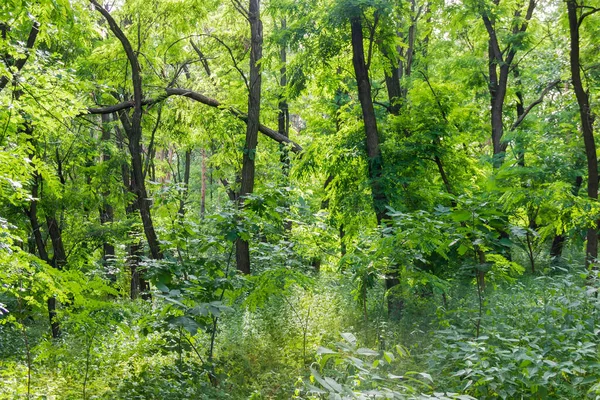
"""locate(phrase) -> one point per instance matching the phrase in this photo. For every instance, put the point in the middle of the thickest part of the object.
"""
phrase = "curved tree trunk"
(133, 129)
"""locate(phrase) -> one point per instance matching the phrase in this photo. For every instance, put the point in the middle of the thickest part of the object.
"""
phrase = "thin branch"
(235, 64)
(386, 106)
(586, 14)
(203, 58)
(493, 38)
(19, 64)
(133, 61)
(372, 39)
(519, 120)
(241, 9)
(516, 63)
(437, 100)
(199, 97)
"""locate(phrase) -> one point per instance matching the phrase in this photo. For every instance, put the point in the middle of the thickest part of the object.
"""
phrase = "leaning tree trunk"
(242, 246)
(587, 128)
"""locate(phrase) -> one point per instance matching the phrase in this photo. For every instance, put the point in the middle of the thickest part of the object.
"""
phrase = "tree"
(248, 165)
(576, 14)
(500, 61)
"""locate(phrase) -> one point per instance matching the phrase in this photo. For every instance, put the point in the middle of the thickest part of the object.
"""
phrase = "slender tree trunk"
(144, 203)
(402, 67)
(203, 184)
(587, 127)
(392, 84)
(138, 186)
(242, 246)
(186, 183)
(37, 233)
(107, 211)
(137, 283)
(133, 128)
(520, 107)
(43, 254)
(283, 120)
(342, 240)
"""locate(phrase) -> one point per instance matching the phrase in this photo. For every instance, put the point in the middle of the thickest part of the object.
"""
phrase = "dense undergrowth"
(538, 339)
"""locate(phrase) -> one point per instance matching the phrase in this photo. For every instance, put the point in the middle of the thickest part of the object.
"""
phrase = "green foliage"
(539, 341)
(362, 373)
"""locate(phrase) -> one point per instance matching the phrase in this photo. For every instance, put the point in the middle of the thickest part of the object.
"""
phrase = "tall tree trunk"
(203, 184)
(133, 129)
(137, 284)
(43, 254)
(138, 187)
(107, 211)
(242, 247)
(403, 67)
(587, 127)
(283, 118)
(520, 107)
(499, 65)
(380, 200)
(283, 121)
(186, 182)
(37, 233)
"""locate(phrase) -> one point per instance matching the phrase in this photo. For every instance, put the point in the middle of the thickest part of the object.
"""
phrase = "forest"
(299, 199)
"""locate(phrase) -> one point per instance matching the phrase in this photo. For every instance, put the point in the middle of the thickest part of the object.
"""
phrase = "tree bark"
(107, 211)
(499, 64)
(199, 97)
(248, 163)
(379, 197)
(43, 254)
(203, 184)
(137, 282)
(283, 117)
(186, 183)
(138, 187)
(587, 125)
(133, 129)
(380, 200)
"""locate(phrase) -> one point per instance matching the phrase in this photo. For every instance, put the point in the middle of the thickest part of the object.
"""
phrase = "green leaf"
(350, 338)
(366, 352)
